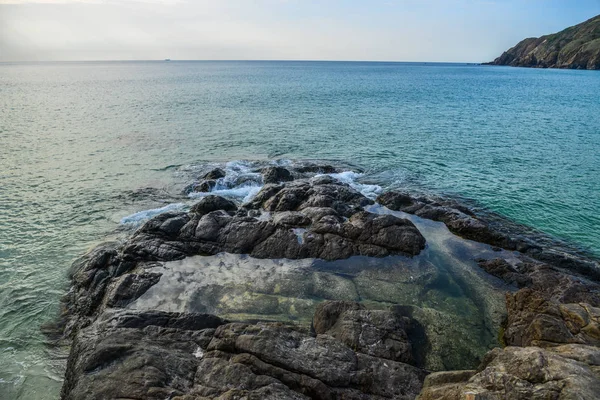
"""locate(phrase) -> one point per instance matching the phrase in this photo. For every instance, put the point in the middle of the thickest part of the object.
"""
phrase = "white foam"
(141, 216)
(351, 177)
(242, 193)
(299, 232)
(240, 183)
(199, 353)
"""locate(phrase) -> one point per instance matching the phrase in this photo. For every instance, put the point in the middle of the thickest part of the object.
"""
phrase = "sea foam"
(351, 178)
(142, 216)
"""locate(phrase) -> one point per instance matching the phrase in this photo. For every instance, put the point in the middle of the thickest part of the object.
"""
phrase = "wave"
(351, 178)
(241, 183)
(142, 216)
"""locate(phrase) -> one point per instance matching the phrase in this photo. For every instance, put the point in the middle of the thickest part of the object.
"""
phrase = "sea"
(90, 150)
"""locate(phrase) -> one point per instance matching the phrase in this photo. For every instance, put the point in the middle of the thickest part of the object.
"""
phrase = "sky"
(373, 30)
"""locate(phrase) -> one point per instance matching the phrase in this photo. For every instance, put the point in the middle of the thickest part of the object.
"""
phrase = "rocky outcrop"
(142, 313)
(308, 218)
(564, 372)
(490, 229)
(276, 175)
(459, 219)
(577, 47)
(197, 356)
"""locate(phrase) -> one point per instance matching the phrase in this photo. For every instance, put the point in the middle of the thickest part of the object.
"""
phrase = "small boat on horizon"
(167, 59)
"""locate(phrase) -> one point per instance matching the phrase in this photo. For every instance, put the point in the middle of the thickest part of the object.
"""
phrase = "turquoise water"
(78, 140)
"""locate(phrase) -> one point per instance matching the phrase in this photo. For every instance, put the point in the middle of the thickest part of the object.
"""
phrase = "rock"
(553, 283)
(577, 47)
(276, 175)
(163, 355)
(374, 332)
(503, 270)
(205, 186)
(519, 373)
(328, 313)
(318, 169)
(301, 194)
(534, 320)
(445, 385)
(458, 219)
(137, 356)
(129, 287)
(213, 203)
(214, 174)
(305, 220)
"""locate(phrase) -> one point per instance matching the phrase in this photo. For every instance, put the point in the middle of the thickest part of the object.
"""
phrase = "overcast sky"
(394, 30)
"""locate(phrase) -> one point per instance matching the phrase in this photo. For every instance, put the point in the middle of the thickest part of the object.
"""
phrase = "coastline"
(300, 216)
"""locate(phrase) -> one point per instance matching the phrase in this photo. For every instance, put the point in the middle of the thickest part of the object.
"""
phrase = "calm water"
(78, 139)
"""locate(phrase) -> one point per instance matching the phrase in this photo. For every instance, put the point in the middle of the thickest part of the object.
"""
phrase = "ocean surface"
(86, 149)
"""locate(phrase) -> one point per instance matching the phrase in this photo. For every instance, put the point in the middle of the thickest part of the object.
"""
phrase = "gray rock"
(519, 373)
(213, 203)
(276, 175)
(214, 174)
(166, 355)
(377, 333)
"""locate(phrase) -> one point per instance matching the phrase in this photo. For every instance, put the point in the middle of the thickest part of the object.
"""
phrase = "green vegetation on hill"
(577, 47)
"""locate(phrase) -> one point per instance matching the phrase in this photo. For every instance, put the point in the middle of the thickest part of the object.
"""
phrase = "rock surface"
(523, 373)
(140, 313)
(486, 229)
(577, 47)
(197, 356)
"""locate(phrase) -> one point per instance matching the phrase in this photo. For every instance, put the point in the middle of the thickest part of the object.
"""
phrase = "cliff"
(577, 47)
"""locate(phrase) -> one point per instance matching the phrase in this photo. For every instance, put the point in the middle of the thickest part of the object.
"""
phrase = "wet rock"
(301, 194)
(166, 355)
(213, 203)
(502, 269)
(521, 373)
(549, 281)
(129, 287)
(276, 175)
(306, 220)
(459, 220)
(205, 186)
(317, 169)
(214, 174)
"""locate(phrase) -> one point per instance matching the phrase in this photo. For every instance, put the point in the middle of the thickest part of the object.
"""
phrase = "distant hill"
(577, 47)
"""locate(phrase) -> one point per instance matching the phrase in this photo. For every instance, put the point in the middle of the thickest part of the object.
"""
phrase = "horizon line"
(241, 60)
